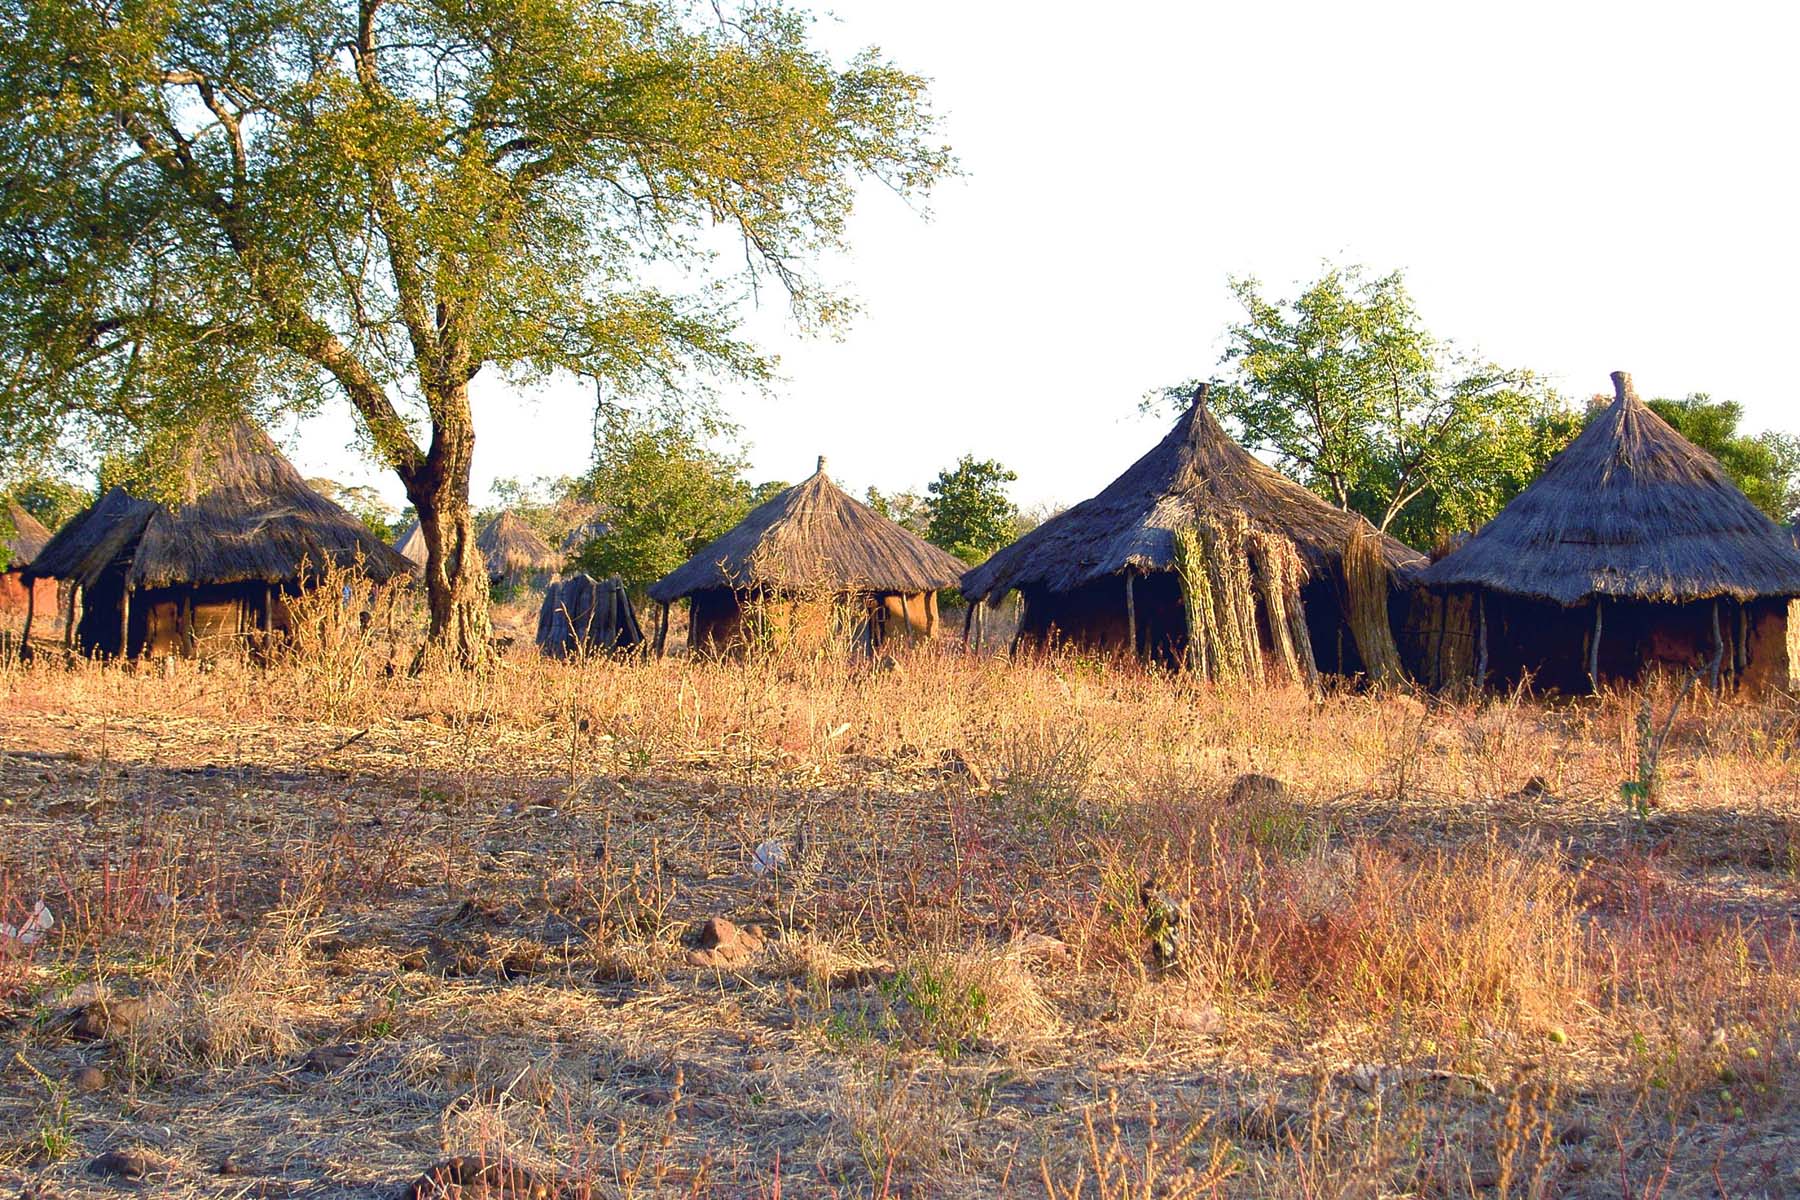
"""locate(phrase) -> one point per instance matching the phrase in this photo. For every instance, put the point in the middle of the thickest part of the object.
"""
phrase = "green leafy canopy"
(1348, 392)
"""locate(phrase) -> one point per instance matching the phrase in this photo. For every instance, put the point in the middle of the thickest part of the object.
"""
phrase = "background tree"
(1348, 392)
(907, 509)
(663, 493)
(50, 498)
(1765, 465)
(362, 502)
(210, 205)
(971, 514)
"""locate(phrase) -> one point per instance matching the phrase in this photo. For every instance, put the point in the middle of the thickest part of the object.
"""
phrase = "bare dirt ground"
(318, 929)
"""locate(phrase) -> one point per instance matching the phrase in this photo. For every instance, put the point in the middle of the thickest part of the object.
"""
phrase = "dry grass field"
(321, 927)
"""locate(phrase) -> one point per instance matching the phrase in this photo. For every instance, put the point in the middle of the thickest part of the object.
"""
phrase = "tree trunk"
(456, 579)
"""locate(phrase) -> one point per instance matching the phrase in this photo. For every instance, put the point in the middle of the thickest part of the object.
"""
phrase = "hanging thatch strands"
(1456, 640)
(1196, 599)
(1279, 575)
(1225, 569)
(1238, 653)
(1369, 583)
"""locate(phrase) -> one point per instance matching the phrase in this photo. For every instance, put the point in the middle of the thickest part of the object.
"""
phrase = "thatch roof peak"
(1629, 510)
(509, 546)
(28, 538)
(813, 535)
(410, 545)
(247, 514)
(1195, 471)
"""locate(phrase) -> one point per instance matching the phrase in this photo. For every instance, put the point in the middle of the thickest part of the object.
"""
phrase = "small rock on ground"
(725, 944)
(133, 1166)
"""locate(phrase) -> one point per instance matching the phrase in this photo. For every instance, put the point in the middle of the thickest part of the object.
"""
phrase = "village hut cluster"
(1632, 552)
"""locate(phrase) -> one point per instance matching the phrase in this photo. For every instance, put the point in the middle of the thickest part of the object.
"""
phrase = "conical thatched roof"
(813, 535)
(28, 538)
(1630, 510)
(247, 515)
(1196, 470)
(511, 547)
(411, 545)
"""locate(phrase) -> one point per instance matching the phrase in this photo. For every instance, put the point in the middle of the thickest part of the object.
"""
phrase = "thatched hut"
(514, 553)
(1198, 533)
(19, 600)
(803, 563)
(1632, 550)
(410, 545)
(157, 580)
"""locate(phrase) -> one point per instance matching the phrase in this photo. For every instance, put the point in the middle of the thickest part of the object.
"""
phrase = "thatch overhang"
(247, 516)
(1631, 510)
(813, 535)
(1194, 472)
(27, 540)
(511, 548)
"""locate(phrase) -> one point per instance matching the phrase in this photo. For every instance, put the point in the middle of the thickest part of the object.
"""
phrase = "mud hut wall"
(715, 621)
(910, 617)
(1552, 643)
(14, 601)
(1093, 617)
(222, 615)
(1772, 649)
(1334, 646)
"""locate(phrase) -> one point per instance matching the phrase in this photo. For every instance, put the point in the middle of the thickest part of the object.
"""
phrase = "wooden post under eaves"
(1481, 658)
(30, 609)
(1593, 664)
(1718, 646)
(125, 623)
(1130, 612)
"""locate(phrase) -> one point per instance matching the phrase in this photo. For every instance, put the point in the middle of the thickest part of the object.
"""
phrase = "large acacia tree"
(210, 204)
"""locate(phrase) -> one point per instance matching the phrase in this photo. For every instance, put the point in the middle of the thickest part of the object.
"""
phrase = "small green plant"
(1640, 794)
(56, 1135)
(939, 1009)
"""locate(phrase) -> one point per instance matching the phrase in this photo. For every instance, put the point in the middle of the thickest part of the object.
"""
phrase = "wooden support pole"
(30, 610)
(968, 622)
(662, 627)
(69, 623)
(1718, 646)
(125, 623)
(1481, 653)
(1594, 645)
(187, 623)
(1130, 612)
(1742, 646)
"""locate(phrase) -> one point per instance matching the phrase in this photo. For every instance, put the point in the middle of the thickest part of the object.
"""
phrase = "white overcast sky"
(1572, 187)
